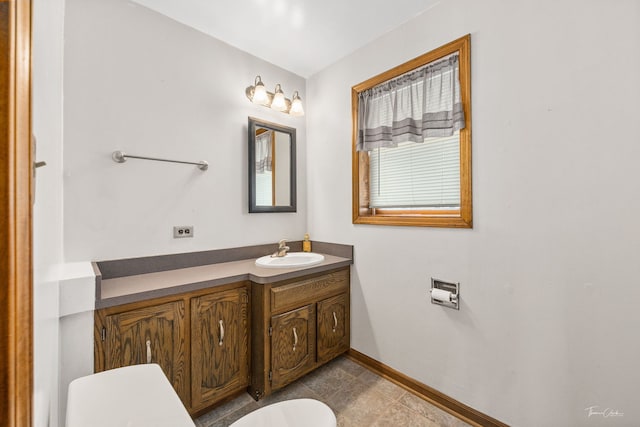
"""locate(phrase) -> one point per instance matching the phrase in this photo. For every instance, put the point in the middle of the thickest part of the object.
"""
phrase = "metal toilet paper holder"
(452, 300)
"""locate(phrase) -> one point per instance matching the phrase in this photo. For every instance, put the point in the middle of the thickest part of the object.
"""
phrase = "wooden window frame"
(462, 218)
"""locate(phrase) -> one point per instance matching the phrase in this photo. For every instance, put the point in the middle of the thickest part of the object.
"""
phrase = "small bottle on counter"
(306, 243)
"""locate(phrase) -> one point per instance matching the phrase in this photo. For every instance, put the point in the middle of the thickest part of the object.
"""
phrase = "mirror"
(272, 167)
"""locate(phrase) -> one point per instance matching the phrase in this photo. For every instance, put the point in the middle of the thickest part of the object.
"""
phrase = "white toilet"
(139, 395)
(290, 413)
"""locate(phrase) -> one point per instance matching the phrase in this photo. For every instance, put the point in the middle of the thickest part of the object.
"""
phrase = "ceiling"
(301, 36)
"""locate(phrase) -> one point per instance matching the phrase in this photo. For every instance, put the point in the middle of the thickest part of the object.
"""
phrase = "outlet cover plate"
(180, 231)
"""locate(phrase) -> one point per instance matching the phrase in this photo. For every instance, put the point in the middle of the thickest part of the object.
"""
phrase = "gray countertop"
(133, 288)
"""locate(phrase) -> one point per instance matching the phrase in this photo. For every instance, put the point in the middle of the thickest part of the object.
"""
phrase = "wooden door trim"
(16, 316)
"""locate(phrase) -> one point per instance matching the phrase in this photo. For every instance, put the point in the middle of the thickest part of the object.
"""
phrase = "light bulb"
(296, 105)
(259, 92)
(278, 103)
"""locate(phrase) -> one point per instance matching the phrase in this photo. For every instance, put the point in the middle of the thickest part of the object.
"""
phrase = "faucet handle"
(282, 243)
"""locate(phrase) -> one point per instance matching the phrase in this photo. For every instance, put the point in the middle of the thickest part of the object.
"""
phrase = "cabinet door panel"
(333, 327)
(220, 340)
(293, 341)
(149, 335)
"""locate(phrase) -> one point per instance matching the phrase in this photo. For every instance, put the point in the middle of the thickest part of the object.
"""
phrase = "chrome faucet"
(282, 249)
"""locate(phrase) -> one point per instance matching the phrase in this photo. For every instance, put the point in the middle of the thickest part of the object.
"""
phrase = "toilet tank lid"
(136, 396)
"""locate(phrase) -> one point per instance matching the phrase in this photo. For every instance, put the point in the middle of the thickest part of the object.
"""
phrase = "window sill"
(442, 220)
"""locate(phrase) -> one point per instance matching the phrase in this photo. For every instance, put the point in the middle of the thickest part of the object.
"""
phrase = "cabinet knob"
(295, 339)
(148, 351)
(335, 322)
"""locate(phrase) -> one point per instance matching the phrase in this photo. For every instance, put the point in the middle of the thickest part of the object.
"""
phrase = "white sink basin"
(292, 259)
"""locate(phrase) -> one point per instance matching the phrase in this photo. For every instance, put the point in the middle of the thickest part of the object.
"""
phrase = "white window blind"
(416, 175)
(263, 188)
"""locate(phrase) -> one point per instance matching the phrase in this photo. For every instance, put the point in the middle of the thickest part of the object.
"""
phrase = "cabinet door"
(293, 340)
(149, 335)
(333, 327)
(219, 345)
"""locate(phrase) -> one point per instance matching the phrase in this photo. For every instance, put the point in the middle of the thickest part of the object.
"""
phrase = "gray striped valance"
(423, 103)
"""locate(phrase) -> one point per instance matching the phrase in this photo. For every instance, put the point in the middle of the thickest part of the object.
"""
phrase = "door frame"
(16, 282)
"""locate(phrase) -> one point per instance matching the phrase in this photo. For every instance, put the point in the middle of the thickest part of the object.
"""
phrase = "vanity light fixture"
(276, 100)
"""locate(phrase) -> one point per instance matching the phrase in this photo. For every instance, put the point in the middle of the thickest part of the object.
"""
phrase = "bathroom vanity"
(297, 325)
(219, 325)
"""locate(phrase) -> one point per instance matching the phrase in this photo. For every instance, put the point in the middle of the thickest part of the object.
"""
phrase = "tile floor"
(358, 397)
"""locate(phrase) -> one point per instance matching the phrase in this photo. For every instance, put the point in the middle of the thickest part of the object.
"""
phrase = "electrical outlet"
(182, 231)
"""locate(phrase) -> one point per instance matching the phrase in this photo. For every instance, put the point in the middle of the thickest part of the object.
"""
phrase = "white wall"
(142, 83)
(77, 299)
(48, 16)
(549, 273)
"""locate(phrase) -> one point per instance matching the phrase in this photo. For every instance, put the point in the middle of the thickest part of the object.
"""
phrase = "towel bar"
(121, 157)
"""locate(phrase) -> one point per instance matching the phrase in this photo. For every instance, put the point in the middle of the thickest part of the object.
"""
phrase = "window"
(412, 142)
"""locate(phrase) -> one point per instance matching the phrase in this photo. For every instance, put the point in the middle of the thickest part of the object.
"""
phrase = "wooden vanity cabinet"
(199, 339)
(293, 344)
(297, 325)
(148, 334)
(333, 327)
(219, 345)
